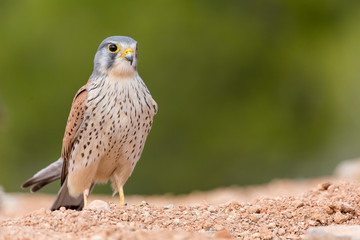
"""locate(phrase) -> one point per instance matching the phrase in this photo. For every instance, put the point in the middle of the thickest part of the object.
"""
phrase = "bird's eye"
(113, 48)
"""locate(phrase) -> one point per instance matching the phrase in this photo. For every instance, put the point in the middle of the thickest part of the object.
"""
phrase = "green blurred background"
(248, 91)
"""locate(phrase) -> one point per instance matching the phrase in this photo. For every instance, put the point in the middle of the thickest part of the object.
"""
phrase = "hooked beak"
(128, 54)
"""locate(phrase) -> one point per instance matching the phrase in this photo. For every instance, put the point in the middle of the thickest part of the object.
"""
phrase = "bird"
(109, 121)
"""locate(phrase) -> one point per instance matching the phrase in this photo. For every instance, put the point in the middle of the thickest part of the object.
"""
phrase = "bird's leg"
(121, 194)
(86, 195)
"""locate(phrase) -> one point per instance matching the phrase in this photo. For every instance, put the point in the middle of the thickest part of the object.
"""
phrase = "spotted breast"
(117, 119)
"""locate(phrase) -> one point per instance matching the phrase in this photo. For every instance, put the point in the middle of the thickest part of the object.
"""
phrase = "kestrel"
(109, 121)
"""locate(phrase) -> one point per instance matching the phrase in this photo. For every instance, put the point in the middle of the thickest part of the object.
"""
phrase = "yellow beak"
(128, 54)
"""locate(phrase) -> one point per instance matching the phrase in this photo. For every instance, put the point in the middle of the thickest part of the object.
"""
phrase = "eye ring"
(113, 48)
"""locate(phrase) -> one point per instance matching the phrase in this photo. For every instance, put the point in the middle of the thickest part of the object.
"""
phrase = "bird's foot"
(122, 197)
(86, 196)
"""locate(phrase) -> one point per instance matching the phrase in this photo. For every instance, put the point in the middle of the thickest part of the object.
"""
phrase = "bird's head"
(116, 57)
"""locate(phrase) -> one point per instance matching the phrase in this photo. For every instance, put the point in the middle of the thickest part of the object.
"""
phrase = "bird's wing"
(73, 123)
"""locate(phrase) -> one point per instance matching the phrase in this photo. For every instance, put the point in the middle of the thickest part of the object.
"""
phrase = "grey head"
(116, 57)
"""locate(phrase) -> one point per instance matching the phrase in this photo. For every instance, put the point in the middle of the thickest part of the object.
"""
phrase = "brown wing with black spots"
(73, 123)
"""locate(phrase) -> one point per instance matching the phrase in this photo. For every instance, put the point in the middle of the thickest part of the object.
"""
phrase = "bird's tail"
(64, 199)
(45, 176)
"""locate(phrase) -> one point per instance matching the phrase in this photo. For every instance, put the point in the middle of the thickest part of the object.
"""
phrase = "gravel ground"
(186, 217)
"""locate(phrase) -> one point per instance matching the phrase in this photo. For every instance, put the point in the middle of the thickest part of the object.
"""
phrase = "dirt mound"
(284, 217)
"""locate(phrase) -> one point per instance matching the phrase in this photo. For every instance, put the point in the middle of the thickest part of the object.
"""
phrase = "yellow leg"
(86, 195)
(122, 197)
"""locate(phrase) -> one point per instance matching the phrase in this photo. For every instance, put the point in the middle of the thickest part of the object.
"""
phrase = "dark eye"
(113, 48)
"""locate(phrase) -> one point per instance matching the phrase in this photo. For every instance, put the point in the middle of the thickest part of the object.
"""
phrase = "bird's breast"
(118, 118)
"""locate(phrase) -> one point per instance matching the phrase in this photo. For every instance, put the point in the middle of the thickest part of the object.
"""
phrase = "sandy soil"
(282, 209)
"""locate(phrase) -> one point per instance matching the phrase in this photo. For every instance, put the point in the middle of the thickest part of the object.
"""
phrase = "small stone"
(256, 235)
(212, 209)
(332, 189)
(264, 231)
(330, 209)
(242, 210)
(254, 209)
(297, 203)
(255, 217)
(62, 209)
(125, 217)
(319, 216)
(281, 231)
(182, 208)
(148, 220)
(46, 225)
(346, 208)
(207, 225)
(218, 227)
(288, 214)
(272, 225)
(99, 205)
(340, 218)
(170, 206)
(324, 186)
(244, 234)
(312, 223)
(145, 214)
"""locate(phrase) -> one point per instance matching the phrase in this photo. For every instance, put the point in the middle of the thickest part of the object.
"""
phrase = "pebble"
(256, 235)
(99, 205)
(218, 227)
(255, 217)
(207, 225)
(288, 214)
(324, 186)
(170, 206)
(297, 203)
(345, 207)
(212, 209)
(272, 225)
(330, 209)
(340, 218)
(145, 214)
(254, 209)
(125, 217)
(281, 231)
